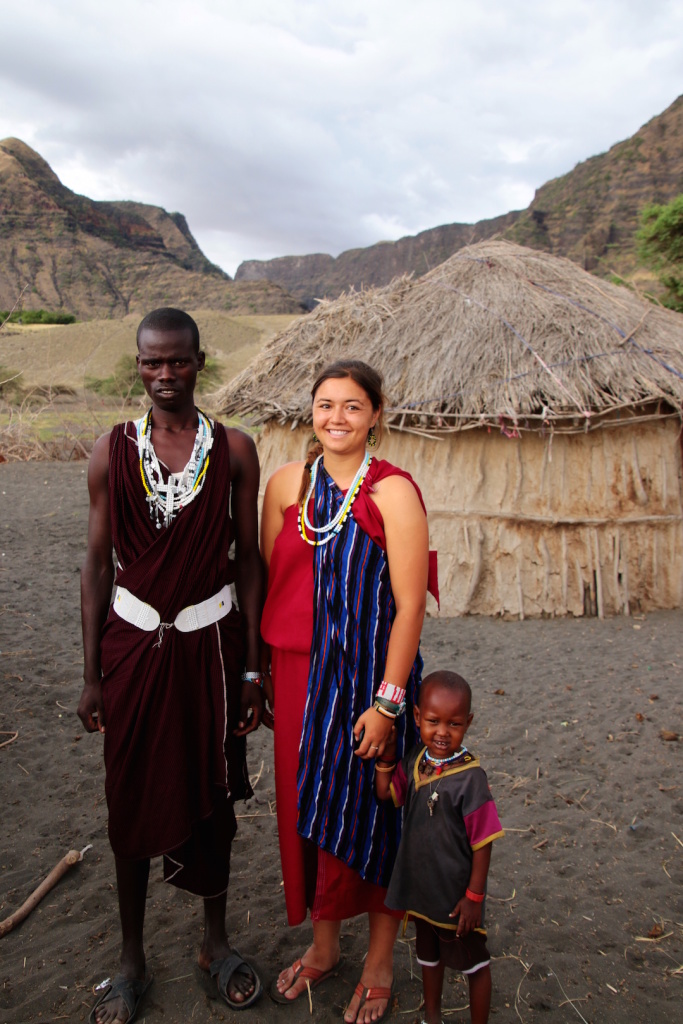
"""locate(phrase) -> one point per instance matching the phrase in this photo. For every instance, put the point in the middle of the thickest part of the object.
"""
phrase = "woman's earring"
(372, 438)
(315, 438)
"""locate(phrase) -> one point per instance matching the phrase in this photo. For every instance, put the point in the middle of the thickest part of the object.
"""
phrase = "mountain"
(105, 259)
(590, 215)
(319, 276)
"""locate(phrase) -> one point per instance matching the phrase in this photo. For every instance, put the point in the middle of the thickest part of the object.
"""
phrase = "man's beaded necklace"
(331, 529)
(165, 500)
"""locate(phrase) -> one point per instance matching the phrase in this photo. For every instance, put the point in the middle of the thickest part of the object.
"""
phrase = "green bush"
(10, 384)
(660, 245)
(36, 316)
(125, 382)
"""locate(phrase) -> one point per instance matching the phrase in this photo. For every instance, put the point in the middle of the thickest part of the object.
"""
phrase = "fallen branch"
(255, 781)
(599, 821)
(502, 899)
(570, 1001)
(65, 864)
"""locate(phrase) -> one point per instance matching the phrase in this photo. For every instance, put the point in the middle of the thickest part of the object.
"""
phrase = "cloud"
(292, 127)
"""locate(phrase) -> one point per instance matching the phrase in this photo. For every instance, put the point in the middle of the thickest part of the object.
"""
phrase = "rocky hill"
(320, 276)
(590, 215)
(105, 259)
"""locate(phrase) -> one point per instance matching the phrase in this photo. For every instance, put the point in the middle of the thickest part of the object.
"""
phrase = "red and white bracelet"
(395, 694)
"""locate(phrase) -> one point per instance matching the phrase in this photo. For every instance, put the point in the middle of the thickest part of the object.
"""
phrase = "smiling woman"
(345, 538)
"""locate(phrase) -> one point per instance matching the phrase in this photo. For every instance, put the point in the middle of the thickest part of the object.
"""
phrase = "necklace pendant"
(431, 803)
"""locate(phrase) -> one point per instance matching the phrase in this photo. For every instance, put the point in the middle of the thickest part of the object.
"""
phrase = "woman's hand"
(375, 730)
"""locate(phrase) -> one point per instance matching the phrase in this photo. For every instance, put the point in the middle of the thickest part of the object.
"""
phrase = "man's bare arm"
(97, 577)
(248, 565)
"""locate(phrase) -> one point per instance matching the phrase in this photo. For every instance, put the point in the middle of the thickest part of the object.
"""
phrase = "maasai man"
(163, 662)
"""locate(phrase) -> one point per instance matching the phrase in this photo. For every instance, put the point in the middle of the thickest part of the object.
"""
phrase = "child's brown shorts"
(434, 945)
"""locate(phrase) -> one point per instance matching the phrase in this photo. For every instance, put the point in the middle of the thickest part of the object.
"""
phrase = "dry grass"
(496, 334)
(44, 426)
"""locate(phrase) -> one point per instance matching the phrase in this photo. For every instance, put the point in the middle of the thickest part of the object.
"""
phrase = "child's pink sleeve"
(483, 825)
(399, 786)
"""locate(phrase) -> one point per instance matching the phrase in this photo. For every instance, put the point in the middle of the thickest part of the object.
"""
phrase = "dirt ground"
(585, 915)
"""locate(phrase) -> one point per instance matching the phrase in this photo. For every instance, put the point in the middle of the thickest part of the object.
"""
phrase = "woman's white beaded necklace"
(165, 500)
(332, 528)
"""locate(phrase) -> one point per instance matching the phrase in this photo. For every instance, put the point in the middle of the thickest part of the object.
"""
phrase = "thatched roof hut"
(538, 407)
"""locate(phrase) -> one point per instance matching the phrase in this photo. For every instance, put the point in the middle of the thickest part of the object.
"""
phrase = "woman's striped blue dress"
(354, 610)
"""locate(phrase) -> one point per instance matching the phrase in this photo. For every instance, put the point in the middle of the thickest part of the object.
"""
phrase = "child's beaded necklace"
(434, 766)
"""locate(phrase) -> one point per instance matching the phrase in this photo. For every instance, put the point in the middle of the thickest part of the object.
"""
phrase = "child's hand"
(470, 916)
(389, 753)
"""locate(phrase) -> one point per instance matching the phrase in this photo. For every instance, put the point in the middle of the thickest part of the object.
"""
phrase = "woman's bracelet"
(394, 694)
(384, 712)
(385, 768)
(253, 677)
(388, 709)
(476, 897)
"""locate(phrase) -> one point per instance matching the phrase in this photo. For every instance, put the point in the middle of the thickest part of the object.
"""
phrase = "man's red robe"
(173, 766)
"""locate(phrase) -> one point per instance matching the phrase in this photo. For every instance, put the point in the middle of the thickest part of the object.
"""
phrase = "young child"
(450, 821)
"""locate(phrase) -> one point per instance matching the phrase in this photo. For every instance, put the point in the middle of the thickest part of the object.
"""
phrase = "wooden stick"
(12, 735)
(65, 864)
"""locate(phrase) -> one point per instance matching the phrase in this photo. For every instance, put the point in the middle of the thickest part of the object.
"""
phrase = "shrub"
(660, 245)
(36, 316)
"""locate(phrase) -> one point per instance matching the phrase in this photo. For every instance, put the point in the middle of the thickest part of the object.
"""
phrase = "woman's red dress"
(313, 879)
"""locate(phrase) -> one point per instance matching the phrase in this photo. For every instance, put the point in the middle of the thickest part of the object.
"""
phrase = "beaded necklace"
(165, 500)
(435, 765)
(335, 525)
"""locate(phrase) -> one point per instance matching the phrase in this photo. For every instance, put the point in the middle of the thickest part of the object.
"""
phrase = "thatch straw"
(496, 334)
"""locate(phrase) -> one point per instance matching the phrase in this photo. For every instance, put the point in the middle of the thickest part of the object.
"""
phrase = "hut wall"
(583, 524)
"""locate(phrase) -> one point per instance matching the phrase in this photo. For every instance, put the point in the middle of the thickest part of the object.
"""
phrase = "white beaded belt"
(195, 616)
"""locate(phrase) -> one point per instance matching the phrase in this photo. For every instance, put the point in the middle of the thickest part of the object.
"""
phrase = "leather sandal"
(312, 975)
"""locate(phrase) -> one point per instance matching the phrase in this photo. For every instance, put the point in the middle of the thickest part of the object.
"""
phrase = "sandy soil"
(585, 917)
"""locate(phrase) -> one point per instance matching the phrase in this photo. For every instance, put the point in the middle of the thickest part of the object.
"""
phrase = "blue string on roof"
(518, 376)
(547, 366)
(622, 334)
(584, 412)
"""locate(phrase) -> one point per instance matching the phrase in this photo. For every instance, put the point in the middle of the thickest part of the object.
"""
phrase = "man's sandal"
(129, 992)
(366, 994)
(223, 970)
(312, 975)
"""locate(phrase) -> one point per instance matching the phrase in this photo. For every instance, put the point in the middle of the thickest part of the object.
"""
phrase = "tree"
(660, 245)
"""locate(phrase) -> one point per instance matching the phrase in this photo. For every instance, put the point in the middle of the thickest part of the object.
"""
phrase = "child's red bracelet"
(476, 897)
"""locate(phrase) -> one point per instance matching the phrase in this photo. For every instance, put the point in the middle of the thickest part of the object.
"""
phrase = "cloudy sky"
(294, 126)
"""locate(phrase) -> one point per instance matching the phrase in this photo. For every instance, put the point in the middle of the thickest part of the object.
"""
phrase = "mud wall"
(581, 524)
